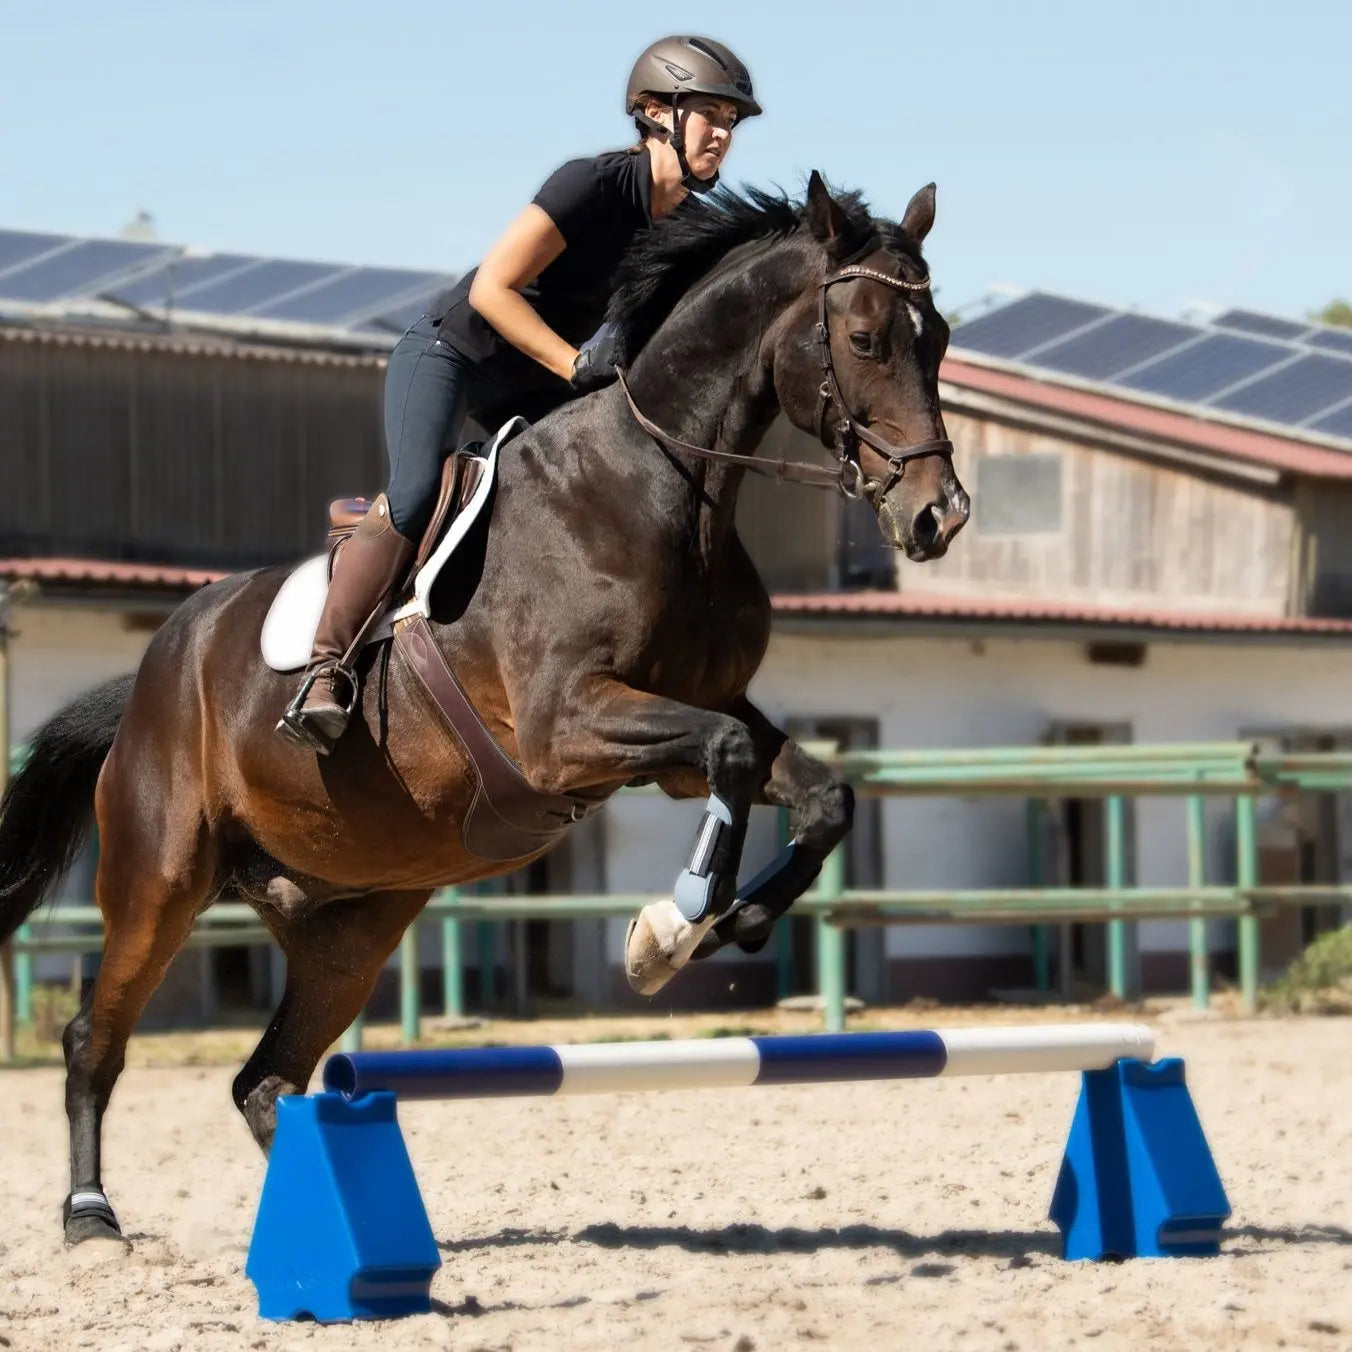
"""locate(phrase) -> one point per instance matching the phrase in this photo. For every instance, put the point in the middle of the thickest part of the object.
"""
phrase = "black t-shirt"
(599, 205)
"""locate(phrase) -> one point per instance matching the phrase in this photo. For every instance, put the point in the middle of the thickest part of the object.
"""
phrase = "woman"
(520, 334)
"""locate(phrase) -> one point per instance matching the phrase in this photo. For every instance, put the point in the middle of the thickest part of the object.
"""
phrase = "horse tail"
(48, 807)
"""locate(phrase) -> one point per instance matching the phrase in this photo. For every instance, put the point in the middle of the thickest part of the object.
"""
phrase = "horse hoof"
(97, 1236)
(658, 944)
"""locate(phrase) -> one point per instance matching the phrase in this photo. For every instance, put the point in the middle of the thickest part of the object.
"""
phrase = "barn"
(1158, 552)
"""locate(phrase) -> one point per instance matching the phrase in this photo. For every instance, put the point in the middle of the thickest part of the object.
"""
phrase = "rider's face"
(708, 134)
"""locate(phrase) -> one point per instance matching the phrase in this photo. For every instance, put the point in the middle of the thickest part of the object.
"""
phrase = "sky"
(1164, 154)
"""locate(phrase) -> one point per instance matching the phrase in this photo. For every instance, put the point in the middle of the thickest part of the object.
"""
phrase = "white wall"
(59, 652)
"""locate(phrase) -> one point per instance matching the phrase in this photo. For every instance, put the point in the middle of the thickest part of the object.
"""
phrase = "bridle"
(848, 432)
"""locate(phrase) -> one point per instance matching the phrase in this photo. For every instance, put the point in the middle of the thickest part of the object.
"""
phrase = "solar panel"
(157, 287)
(1307, 386)
(1269, 326)
(18, 246)
(397, 320)
(1338, 423)
(1116, 345)
(358, 292)
(1025, 324)
(1332, 340)
(77, 270)
(266, 281)
(1205, 368)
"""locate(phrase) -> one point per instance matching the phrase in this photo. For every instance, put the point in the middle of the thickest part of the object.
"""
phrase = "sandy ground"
(860, 1216)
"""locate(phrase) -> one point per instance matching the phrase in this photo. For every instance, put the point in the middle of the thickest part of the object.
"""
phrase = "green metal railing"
(1039, 774)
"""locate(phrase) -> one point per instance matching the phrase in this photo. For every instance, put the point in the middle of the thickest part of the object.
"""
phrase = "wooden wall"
(1128, 530)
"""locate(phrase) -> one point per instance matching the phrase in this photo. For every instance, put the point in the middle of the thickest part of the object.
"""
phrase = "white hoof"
(659, 943)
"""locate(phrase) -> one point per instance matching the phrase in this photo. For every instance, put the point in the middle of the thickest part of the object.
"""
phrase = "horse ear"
(919, 217)
(825, 217)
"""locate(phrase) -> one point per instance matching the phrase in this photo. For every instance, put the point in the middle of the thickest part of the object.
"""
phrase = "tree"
(1335, 312)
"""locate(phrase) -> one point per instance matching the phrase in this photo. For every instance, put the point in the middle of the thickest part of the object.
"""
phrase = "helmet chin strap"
(675, 138)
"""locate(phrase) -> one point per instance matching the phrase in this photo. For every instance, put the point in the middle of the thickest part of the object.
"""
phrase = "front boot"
(369, 565)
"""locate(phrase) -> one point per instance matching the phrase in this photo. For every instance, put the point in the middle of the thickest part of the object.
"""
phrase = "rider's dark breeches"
(427, 387)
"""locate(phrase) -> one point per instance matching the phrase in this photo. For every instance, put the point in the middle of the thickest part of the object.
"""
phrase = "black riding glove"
(596, 361)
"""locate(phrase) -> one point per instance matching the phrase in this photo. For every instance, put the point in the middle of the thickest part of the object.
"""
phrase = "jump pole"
(342, 1233)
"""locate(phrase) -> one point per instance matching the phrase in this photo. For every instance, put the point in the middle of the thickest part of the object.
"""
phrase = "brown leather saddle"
(460, 476)
(507, 818)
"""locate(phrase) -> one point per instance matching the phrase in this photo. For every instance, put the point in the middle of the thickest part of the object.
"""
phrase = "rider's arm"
(527, 247)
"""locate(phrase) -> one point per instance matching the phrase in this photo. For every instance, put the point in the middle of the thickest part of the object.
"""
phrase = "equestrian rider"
(521, 333)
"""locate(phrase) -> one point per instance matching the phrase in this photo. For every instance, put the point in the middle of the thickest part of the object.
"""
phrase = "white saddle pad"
(289, 629)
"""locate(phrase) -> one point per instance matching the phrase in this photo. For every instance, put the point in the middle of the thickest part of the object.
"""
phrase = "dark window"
(1018, 494)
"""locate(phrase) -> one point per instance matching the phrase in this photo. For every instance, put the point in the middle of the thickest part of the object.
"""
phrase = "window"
(1018, 494)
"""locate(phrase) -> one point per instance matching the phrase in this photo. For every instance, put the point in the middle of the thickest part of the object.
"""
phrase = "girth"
(507, 818)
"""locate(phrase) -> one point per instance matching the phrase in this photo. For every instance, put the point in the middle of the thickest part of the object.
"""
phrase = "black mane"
(666, 261)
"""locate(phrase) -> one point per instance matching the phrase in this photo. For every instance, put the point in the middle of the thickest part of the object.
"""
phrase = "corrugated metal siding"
(179, 457)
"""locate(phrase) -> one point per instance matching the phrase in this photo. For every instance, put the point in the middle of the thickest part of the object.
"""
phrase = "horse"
(604, 624)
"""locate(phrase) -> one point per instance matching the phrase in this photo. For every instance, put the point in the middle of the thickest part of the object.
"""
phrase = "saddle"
(507, 819)
(466, 485)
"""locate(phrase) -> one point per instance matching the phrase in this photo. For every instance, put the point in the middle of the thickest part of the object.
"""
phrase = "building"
(1157, 553)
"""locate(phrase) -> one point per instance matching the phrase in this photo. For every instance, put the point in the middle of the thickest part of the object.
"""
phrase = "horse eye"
(863, 343)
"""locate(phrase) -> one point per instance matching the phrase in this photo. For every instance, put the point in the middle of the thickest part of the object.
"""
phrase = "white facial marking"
(917, 319)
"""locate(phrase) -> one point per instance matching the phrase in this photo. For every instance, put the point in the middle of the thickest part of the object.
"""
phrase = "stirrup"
(294, 723)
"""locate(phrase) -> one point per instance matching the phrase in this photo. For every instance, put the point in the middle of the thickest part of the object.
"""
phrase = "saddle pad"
(289, 628)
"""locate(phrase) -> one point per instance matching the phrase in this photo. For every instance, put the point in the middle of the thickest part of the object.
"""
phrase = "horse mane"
(663, 263)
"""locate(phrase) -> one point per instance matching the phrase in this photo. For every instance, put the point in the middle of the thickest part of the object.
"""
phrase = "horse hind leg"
(333, 956)
(149, 904)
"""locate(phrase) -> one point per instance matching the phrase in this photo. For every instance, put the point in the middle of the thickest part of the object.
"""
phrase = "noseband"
(848, 433)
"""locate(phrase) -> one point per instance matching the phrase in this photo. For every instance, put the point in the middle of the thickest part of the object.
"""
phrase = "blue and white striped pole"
(736, 1062)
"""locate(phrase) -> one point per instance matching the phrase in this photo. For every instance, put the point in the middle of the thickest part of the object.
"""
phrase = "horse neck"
(705, 378)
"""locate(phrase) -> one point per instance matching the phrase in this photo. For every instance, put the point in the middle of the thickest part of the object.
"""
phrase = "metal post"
(831, 945)
(784, 930)
(7, 1048)
(8, 974)
(452, 962)
(1199, 959)
(23, 980)
(352, 1037)
(485, 939)
(1037, 877)
(410, 1001)
(1246, 876)
(1114, 810)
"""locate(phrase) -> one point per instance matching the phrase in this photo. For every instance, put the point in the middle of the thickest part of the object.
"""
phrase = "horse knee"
(827, 816)
(732, 760)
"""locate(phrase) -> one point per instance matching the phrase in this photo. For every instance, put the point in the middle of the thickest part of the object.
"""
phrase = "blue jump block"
(341, 1231)
(1138, 1179)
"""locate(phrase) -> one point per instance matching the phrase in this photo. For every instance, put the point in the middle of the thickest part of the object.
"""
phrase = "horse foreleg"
(822, 808)
(333, 956)
(616, 733)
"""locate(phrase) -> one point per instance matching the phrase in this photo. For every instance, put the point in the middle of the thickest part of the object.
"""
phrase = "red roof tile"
(911, 605)
(98, 571)
(1284, 453)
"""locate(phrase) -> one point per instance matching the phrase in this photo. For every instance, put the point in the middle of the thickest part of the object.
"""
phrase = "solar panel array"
(129, 281)
(1291, 376)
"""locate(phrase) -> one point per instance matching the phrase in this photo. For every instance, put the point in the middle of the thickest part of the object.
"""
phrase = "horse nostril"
(925, 527)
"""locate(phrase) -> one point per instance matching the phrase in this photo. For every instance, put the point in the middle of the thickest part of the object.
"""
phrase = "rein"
(849, 432)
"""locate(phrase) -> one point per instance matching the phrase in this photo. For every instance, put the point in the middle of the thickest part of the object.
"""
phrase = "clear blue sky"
(1155, 154)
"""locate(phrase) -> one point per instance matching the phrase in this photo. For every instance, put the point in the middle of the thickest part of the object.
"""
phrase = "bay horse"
(605, 630)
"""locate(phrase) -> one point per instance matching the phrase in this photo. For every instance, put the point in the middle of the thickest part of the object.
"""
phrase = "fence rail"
(1194, 771)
